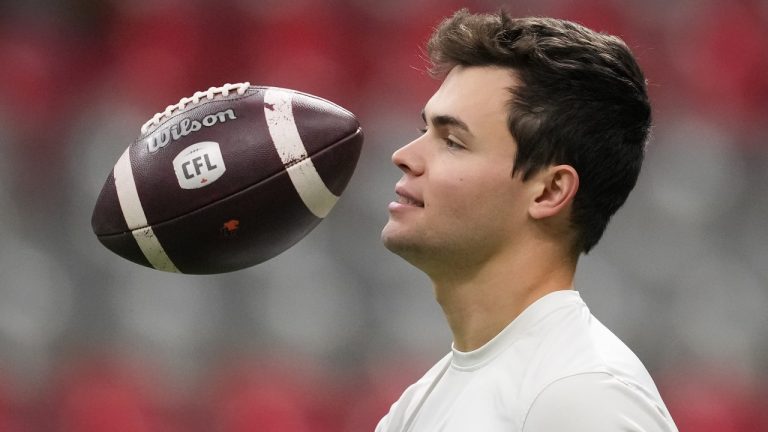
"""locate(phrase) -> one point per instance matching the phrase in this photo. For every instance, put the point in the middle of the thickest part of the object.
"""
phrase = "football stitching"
(189, 108)
(194, 100)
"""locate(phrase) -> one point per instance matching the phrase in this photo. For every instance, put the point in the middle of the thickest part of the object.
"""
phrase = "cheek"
(469, 194)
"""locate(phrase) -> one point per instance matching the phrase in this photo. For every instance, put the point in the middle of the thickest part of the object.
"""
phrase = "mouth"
(404, 198)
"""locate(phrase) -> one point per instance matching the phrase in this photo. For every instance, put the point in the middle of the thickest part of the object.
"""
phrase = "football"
(227, 179)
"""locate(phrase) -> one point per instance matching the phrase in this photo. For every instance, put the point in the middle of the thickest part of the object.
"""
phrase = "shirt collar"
(521, 325)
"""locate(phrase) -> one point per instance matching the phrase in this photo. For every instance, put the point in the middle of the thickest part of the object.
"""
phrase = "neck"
(480, 302)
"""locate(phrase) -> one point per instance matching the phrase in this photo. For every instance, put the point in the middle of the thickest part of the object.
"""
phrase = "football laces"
(209, 94)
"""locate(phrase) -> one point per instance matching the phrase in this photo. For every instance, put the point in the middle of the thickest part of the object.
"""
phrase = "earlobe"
(557, 186)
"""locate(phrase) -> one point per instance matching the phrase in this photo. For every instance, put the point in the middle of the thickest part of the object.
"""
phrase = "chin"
(394, 240)
(403, 246)
(389, 237)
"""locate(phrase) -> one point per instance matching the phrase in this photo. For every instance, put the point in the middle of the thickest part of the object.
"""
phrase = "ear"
(556, 187)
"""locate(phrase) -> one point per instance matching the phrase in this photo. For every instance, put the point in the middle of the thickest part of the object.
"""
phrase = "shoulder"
(595, 402)
(575, 342)
(408, 402)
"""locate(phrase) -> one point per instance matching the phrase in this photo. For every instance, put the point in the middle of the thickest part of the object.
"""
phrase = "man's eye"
(451, 144)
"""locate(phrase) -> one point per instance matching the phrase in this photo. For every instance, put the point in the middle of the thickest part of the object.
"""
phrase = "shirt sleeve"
(595, 402)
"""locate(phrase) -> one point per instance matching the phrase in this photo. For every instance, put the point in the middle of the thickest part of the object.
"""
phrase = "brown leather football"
(227, 179)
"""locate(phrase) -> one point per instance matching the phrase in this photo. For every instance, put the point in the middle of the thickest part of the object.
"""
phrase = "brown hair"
(582, 101)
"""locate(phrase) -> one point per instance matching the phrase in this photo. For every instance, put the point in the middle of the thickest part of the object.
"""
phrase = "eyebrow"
(447, 120)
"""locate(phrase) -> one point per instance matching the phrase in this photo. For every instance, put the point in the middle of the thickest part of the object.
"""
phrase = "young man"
(533, 141)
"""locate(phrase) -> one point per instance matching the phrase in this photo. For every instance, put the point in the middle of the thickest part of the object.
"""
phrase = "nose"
(408, 159)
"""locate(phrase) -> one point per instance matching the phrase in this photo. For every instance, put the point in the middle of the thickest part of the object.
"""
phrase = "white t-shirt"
(555, 368)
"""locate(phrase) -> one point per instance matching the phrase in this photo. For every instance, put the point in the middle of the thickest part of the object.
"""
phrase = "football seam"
(270, 177)
(311, 96)
(240, 97)
(186, 111)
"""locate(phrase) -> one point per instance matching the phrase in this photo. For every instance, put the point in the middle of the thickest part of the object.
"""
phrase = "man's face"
(457, 203)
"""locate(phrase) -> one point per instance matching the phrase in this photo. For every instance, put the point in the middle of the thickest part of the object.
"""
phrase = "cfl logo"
(199, 165)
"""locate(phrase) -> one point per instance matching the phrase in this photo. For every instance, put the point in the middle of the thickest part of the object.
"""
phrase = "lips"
(407, 198)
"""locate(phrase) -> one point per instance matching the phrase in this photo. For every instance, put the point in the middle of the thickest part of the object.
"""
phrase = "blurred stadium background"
(327, 335)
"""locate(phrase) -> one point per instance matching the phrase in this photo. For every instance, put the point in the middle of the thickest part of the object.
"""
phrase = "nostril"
(408, 159)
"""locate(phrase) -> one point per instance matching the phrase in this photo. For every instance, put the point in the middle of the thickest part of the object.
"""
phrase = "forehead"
(474, 94)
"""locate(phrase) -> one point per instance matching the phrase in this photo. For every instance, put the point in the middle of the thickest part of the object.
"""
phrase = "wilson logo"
(199, 165)
(164, 137)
